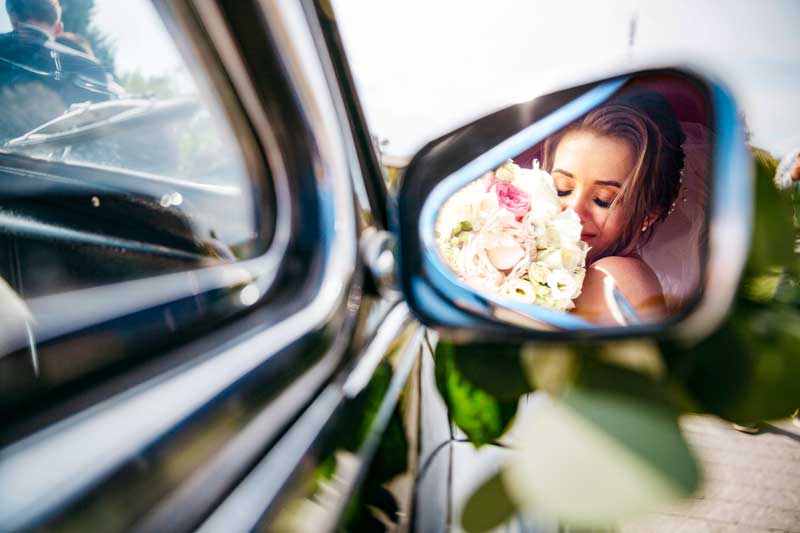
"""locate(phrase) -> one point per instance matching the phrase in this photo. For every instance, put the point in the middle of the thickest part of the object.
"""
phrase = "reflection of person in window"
(619, 168)
(40, 78)
(76, 43)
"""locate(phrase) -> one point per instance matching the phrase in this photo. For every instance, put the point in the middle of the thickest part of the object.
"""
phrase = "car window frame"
(58, 320)
(321, 312)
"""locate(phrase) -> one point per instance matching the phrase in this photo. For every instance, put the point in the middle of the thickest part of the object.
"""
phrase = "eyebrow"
(597, 182)
(560, 171)
(609, 183)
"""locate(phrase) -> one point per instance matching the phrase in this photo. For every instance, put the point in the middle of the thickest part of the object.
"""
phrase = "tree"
(77, 18)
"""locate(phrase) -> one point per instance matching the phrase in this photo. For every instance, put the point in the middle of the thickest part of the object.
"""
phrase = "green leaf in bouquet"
(594, 458)
(488, 507)
(477, 403)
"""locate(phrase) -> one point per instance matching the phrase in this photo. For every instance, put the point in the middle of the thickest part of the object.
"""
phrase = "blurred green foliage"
(488, 507)
(749, 369)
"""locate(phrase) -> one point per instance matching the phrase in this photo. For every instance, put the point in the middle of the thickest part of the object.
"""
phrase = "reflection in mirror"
(787, 175)
(604, 218)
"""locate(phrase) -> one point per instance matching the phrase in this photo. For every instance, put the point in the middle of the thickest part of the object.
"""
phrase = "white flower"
(476, 268)
(538, 272)
(544, 199)
(573, 256)
(535, 258)
(472, 204)
(562, 285)
(552, 259)
(568, 225)
(506, 254)
(519, 289)
(507, 171)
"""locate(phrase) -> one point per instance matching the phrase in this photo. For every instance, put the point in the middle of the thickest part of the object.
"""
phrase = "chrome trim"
(395, 321)
(50, 469)
(245, 506)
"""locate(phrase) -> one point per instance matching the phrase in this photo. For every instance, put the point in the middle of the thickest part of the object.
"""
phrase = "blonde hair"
(646, 123)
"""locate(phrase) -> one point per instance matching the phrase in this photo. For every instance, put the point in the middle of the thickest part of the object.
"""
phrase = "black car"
(215, 316)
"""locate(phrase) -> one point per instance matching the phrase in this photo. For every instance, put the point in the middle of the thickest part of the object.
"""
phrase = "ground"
(752, 482)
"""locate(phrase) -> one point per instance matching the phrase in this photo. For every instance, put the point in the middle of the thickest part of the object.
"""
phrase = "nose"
(578, 203)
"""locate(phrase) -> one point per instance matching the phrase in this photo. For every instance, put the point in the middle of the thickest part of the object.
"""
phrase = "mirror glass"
(600, 221)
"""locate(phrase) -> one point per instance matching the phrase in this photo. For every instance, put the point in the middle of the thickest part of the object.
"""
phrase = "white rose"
(573, 256)
(518, 289)
(504, 255)
(552, 259)
(568, 225)
(562, 285)
(476, 268)
(544, 199)
(538, 272)
(551, 238)
(471, 203)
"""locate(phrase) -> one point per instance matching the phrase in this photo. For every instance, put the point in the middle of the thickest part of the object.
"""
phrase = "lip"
(585, 236)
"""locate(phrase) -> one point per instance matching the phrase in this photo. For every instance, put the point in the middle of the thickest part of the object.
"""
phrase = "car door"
(179, 350)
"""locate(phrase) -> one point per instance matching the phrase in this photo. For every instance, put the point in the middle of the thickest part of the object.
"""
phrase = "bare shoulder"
(635, 280)
(632, 274)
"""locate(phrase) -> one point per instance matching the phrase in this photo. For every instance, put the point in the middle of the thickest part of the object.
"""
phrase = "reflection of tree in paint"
(77, 18)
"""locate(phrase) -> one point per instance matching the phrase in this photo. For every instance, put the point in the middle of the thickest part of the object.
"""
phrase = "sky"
(425, 67)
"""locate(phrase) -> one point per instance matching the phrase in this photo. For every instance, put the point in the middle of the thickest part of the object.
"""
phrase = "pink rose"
(511, 198)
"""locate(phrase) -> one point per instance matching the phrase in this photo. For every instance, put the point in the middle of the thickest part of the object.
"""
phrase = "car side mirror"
(616, 208)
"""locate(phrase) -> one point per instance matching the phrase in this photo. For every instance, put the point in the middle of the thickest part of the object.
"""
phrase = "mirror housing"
(443, 167)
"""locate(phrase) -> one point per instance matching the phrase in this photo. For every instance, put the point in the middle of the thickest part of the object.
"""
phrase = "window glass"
(110, 145)
(121, 181)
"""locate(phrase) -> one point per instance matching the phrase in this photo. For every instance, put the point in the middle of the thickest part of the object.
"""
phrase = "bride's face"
(589, 171)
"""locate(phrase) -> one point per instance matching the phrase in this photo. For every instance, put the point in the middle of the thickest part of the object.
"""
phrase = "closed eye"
(563, 193)
(601, 203)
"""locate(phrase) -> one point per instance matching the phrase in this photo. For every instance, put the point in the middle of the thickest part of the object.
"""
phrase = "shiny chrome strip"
(51, 468)
(244, 507)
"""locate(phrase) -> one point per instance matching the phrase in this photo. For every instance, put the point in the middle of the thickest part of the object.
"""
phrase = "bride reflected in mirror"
(620, 169)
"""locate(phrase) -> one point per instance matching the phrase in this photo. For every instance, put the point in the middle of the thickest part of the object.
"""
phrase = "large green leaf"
(475, 404)
(495, 368)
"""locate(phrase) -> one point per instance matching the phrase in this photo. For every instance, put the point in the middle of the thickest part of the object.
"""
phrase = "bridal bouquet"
(506, 233)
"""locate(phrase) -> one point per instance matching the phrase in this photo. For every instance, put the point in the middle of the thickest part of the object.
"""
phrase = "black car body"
(181, 368)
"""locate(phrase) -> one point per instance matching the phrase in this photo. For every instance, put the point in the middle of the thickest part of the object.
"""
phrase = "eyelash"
(598, 201)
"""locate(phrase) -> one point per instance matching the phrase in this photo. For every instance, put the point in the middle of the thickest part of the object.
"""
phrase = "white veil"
(675, 251)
